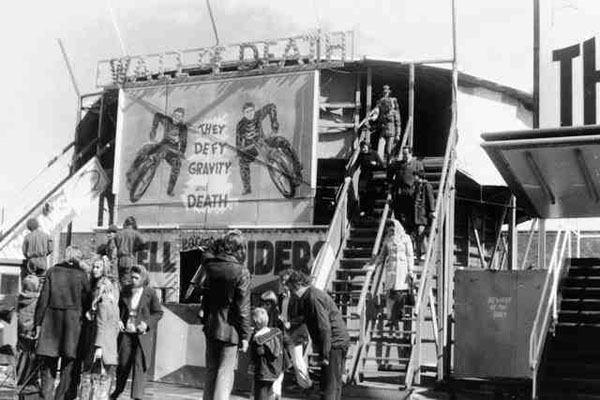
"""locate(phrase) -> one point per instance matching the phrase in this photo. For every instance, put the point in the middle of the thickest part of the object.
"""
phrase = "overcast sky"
(39, 103)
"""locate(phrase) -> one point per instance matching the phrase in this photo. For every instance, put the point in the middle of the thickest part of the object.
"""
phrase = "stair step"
(358, 252)
(580, 304)
(582, 281)
(356, 263)
(585, 262)
(579, 316)
(581, 292)
(361, 242)
(344, 282)
(351, 271)
(584, 271)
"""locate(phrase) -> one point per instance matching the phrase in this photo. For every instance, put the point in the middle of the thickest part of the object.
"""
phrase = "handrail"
(369, 287)
(52, 190)
(547, 311)
(321, 270)
(448, 170)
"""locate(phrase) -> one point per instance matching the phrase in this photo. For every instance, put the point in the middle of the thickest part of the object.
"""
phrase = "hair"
(32, 224)
(179, 110)
(73, 255)
(269, 296)
(247, 105)
(30, 283)
(143, 272)
(260, 317)
(298, 278)
(130, 221)
(233, 244)
(106, 268)
(113, 228)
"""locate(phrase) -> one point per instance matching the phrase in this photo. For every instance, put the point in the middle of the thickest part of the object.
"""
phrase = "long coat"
(149, 311)
(107, 322)
(65, 294)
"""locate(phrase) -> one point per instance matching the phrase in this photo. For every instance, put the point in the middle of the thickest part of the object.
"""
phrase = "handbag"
(95, 384)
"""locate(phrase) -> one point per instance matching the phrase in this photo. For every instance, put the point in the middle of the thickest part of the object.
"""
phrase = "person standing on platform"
(225, 314)
(37, 246)
(387, 113)
(424, 214)
(327, 331)
(140, 311)
(128, 242)
(402, 175)
(58, 319)
(369, 162)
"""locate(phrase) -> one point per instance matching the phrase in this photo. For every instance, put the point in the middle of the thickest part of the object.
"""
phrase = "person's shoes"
(246, 191)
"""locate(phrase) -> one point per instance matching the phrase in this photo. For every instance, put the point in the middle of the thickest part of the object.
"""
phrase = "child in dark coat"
(266, 357)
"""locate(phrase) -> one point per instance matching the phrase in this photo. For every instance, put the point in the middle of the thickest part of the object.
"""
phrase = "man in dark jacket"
(139, 312)
(58, 315)
(128, 242)
(369, 162)
(424, 214)
(402, 176)
(226, 314)
(327, 331)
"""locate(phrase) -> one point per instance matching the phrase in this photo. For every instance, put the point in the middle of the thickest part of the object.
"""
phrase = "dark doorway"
(190, 261)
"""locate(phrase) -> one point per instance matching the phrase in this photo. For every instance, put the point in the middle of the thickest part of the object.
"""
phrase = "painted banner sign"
(218, 152)
(569, 70)
(66, 201)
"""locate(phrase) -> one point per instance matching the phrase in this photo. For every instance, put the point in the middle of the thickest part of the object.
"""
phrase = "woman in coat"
(397, 258)
(140, 311)
(104, 314)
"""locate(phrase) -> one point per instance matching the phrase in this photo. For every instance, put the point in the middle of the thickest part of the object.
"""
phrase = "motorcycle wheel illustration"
(285, 169)
(142, 170)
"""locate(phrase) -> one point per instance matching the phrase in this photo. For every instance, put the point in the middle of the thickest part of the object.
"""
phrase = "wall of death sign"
(218, 152)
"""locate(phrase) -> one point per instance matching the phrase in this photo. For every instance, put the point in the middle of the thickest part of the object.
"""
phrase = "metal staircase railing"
(346, 198)
(372, 283)
(425, 295)
(547, 311)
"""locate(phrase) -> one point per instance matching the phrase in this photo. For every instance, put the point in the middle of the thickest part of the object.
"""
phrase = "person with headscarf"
(58, 318)
(396, 256)
(226, 313)
(140, 311)
(128, 242)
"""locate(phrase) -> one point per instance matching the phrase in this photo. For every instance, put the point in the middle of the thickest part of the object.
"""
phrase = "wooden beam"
(411, 104)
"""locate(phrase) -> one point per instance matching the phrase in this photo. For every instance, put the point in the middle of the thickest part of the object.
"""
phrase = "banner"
(569, 67)
(66, 201)
(218, 152)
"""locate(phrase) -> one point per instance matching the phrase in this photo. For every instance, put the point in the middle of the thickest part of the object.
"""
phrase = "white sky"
(39, 106)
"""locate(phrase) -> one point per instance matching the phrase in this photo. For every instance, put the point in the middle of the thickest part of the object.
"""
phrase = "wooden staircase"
(571, 361)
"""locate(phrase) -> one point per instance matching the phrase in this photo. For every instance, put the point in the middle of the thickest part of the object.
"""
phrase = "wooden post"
(512, 236)
(411, 105)
(369, 99)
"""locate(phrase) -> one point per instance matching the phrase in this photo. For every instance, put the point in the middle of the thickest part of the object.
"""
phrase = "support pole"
(512, 233)
(542, 244)
(369, 98)
(411, 105)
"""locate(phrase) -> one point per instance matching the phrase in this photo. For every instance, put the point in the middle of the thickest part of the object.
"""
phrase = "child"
(26, 329)
(266, 356)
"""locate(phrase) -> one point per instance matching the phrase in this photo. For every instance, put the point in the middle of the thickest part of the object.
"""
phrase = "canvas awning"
(555, 173)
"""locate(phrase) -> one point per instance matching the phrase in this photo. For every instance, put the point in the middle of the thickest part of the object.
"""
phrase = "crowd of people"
(275, 332)
(86, 314)
(412, 206)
